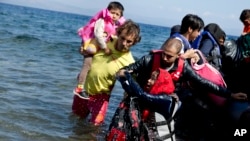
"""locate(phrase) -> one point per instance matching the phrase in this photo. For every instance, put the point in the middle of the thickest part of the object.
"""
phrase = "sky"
(157, 12)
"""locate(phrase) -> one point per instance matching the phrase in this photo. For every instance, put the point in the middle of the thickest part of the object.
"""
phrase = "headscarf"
(216, 31)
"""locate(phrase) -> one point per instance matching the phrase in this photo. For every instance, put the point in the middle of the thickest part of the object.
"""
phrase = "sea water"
(39, 63)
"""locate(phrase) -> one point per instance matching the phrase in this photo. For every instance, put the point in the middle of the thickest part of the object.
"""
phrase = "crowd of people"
(164, 81)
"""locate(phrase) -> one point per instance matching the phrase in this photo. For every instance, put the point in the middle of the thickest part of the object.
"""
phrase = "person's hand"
(243, 33)
(175, 96)
(191, 54)
(107, 51)
(195, 58)
(121, 73)
(105, 34)
(239, 96)
(125, 94)
(82, 51)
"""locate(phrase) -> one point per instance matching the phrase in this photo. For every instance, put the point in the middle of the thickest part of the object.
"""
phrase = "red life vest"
(157, 54)
(205, 70)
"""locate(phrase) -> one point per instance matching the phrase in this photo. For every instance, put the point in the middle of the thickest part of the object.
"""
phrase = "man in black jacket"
(170, 56)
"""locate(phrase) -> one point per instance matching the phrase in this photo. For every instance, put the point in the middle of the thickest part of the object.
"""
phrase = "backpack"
(243, 42)
(231, 51)
(215, 58)
(231, 59)
(126, 124)
(207, 71)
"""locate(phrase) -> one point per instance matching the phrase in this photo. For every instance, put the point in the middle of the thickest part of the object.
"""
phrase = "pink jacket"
(87, 32)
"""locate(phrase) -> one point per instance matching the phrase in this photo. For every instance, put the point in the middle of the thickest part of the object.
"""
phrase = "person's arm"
(190, 54)
(140, 65)
(134, 89)
(100, 36)
(190, 75)
(99, 33)
(160, 103)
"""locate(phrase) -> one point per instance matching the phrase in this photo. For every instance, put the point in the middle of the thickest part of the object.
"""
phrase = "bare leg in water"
(85, 68)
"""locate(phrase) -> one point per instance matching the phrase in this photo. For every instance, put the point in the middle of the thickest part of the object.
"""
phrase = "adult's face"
(125, 41)
(169, 54)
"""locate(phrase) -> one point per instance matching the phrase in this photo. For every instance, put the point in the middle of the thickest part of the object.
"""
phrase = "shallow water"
(39, 62)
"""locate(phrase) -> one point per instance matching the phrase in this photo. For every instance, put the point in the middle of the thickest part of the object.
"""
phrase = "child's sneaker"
(80, 93)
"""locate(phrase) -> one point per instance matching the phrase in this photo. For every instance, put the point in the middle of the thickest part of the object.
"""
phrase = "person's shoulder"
(149, 55)
(207, 41)
(145, 59)
(184, 63)
(128, 57)
(155, 51)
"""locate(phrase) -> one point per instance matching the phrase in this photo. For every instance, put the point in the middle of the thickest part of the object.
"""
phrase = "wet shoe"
(80, 93)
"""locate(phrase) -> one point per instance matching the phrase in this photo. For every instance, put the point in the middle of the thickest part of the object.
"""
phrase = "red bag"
(208, 72)
(116, 135)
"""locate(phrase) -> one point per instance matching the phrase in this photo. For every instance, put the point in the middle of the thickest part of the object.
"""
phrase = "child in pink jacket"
(94, 35)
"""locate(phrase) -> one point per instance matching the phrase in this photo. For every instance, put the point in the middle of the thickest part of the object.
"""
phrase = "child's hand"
(107, 51)
(105, 34)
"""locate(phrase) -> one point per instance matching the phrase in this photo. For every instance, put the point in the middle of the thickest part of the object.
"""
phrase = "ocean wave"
(3, 13)
(25, 38)
(5, 34)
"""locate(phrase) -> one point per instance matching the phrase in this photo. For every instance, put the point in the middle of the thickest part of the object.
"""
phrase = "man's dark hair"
(245, 14)
(192, 21)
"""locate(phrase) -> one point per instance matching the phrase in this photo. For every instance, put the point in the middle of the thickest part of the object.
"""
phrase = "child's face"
(193, 34)
(115, 14)
(151, 80)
